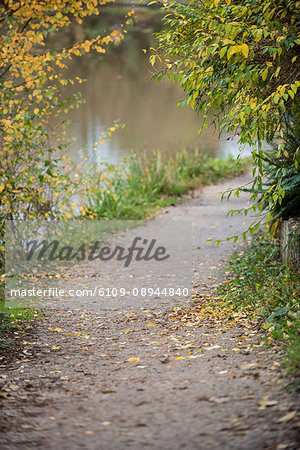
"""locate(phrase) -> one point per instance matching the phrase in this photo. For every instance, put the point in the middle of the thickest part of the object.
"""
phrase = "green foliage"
(239, 61)
(270, 292)
(12, 319)
(281, 171)
(143, 184)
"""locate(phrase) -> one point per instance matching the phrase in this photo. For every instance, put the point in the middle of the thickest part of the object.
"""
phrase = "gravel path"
(114, 377)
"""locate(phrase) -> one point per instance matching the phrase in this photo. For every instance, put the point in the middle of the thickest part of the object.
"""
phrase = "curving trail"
(118, 378)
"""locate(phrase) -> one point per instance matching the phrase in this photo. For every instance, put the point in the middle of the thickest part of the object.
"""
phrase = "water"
(120, 87)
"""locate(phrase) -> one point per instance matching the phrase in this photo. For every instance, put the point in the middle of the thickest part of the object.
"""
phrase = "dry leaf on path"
(287, 417)
(133, 360)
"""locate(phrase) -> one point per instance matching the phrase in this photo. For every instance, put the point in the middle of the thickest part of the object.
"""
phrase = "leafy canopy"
(240, 61)
(242, 57)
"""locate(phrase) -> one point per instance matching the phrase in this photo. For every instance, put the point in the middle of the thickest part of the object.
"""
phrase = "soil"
(116, 377)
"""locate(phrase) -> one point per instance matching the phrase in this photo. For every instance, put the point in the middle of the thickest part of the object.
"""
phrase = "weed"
(269, 290)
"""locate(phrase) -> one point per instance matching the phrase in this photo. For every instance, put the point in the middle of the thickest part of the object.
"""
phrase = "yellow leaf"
(223, 52)
(2, 187)
(133, 359)
(259, 34)
(36, 110)
(235, 349)
(294, 88)
(264, 74)
(179, 358)
(228, 41)
(245, 50)
(267, 402)
(58, 329)
(232, 51)
(150, 325)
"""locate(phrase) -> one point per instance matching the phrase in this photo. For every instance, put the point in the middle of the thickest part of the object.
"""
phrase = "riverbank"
(143, 185)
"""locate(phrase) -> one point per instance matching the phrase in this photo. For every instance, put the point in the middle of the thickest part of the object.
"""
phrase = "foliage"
(281, 171)
(12, 319)
(143, 184)
(35, 180)
(269, 292)
(239, 60)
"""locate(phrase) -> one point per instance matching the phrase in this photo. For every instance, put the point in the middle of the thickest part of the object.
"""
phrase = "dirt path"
(127, 378)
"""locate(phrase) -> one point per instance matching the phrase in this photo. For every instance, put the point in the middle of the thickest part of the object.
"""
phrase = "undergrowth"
(13, 320)
(269, 291)
(142, 185)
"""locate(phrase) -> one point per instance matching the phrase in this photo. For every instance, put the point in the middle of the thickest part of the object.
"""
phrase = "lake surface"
(120, 87)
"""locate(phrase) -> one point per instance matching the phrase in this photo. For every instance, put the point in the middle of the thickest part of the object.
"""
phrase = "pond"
(120, 87)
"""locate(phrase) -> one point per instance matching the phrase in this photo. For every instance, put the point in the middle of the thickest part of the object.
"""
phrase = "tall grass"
(144, 184)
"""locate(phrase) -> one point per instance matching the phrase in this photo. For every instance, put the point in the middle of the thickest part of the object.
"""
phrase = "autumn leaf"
(287, 417)
(267, 402)
(133, 359)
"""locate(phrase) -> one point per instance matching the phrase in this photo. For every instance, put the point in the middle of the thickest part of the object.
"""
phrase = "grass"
(12, 320)
(142, 185)
(269, 291)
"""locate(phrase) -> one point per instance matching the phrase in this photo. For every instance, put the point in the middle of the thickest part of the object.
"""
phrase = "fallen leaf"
(235, 349)
(133, 359)
(267, 402)
(58, 329)
(150, 325)
(248, 366)
(13, 387)
(219, 399)
(179, 357)
(287, 417)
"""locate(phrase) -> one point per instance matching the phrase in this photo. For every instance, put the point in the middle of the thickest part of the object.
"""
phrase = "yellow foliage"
(29, 95)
